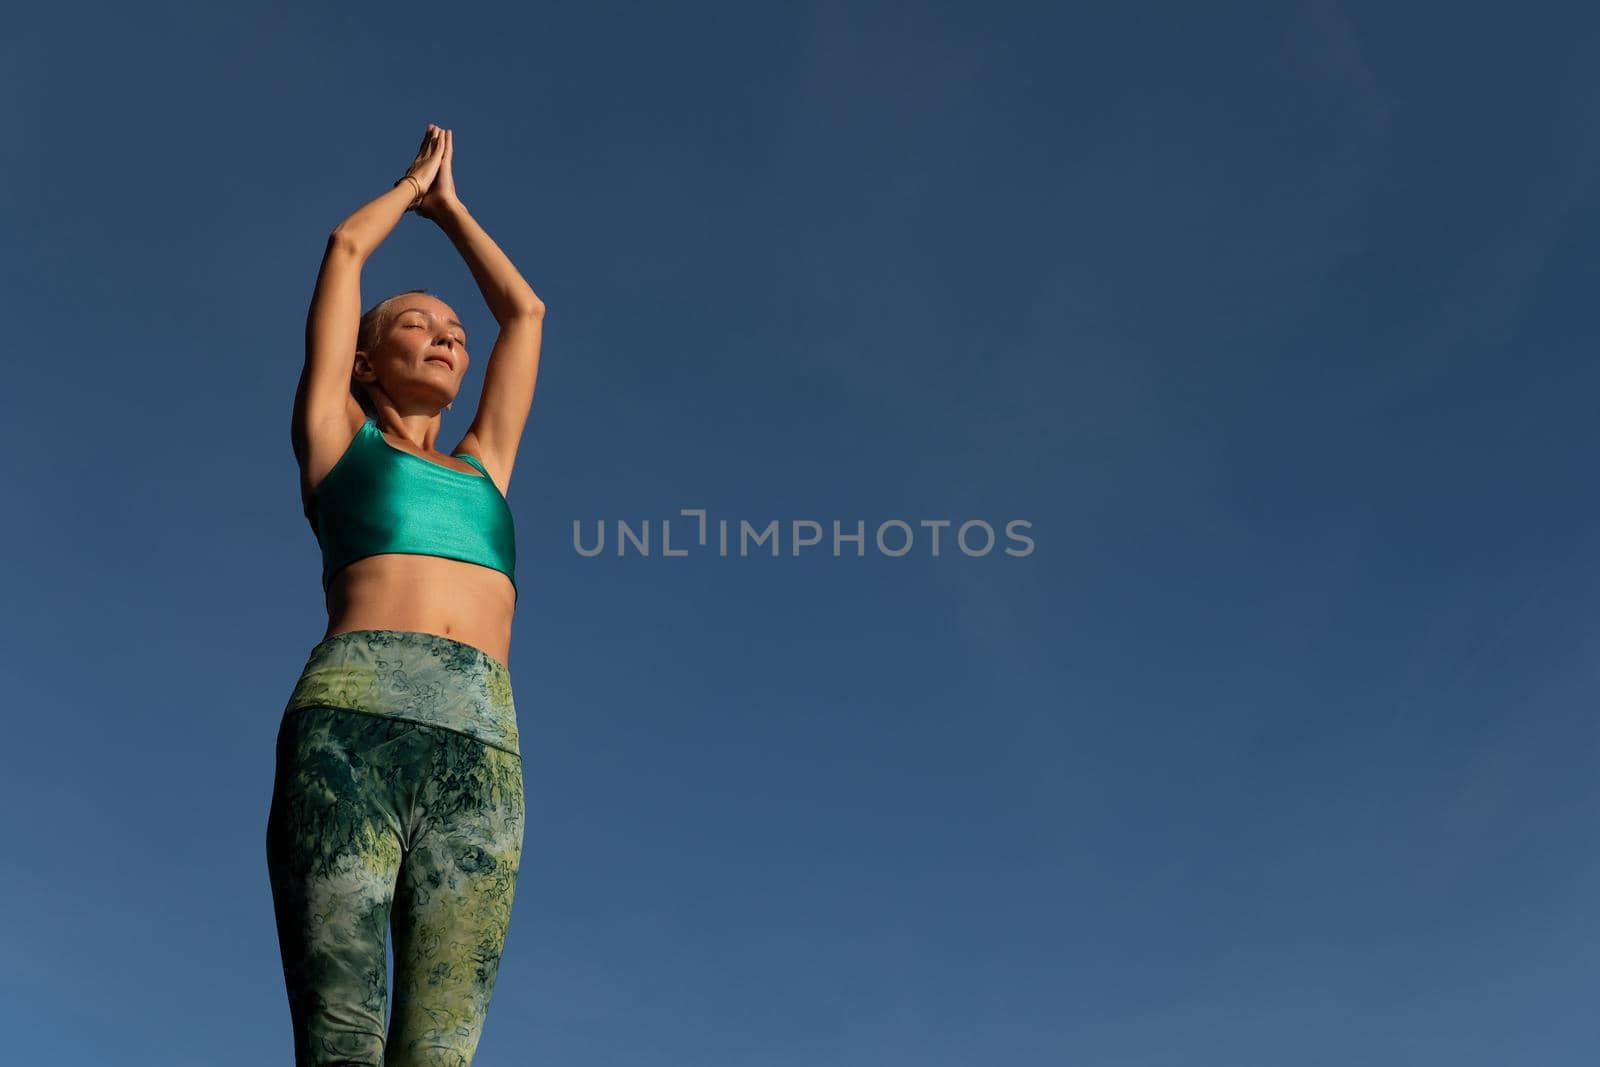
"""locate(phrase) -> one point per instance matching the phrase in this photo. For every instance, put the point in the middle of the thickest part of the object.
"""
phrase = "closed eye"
(462, 341)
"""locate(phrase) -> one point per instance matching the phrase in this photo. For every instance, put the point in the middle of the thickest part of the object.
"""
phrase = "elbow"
(341, 241)
(531, 310)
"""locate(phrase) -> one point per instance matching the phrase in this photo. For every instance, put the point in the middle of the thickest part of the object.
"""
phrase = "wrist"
(411, 187)
(450, 212)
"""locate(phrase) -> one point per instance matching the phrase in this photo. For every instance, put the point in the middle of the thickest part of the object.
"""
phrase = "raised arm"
(322, 403)
(508, 381)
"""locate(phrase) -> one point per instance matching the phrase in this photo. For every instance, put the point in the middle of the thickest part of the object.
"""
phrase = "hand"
(440, 197)
(425, 168)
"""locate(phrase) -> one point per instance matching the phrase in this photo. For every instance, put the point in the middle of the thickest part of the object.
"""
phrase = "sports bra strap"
(473, 460)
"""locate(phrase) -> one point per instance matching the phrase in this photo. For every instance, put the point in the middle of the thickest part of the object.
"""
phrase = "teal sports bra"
(379, 498)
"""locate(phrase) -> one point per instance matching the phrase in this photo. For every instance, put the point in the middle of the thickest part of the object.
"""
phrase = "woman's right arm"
(335, 316)
(372, 222)
(366, 229)
(323, 398)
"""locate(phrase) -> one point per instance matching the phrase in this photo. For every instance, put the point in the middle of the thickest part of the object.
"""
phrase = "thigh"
(453, 901)
(333, 853)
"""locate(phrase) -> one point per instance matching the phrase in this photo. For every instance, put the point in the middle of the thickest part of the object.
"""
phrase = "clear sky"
(1278, 748)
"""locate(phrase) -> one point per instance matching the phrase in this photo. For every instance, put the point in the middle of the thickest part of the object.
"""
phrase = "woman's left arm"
(514, 362)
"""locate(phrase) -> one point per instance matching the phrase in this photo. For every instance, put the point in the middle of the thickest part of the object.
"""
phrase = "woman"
(397, 797)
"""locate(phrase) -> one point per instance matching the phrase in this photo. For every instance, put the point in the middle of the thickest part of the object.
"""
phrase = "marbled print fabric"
(411, 675)
(380, 823)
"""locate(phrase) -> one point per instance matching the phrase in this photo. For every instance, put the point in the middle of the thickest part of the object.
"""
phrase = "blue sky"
(1279, 748)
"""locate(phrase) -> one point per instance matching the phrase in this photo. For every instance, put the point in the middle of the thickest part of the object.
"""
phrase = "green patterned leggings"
(380, 821)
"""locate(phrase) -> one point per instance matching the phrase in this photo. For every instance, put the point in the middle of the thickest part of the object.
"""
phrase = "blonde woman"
(397, 798)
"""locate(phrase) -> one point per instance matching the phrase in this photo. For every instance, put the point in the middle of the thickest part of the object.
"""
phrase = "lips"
(440, 359)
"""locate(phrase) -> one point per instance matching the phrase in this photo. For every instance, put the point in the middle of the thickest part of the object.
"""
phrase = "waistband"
(406, 674)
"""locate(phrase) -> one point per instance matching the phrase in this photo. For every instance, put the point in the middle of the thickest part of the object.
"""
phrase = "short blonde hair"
(373, 325)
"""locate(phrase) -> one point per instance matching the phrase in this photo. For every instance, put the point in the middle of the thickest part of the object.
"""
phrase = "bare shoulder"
(499, 470)
(325, 441)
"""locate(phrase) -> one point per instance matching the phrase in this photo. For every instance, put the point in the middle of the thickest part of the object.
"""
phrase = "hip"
(415, 676)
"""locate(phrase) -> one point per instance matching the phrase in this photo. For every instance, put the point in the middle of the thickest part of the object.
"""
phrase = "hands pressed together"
(431, 186)
(431, 170)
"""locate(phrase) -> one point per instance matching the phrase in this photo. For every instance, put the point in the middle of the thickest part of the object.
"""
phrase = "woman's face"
(423, 352)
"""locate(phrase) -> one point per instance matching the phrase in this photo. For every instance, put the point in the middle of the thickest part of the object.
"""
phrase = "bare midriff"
(429, 594)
